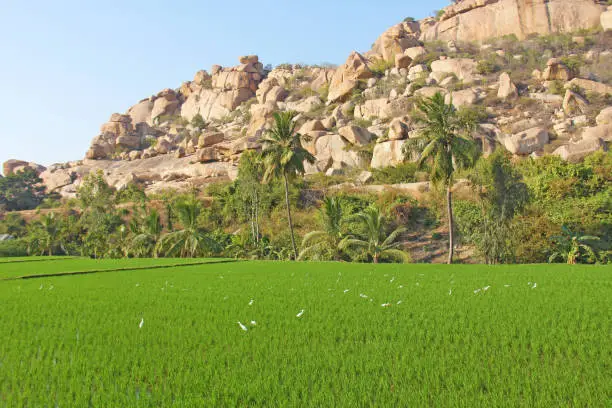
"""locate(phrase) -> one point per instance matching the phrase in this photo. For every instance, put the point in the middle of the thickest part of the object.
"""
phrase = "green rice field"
(225, 333)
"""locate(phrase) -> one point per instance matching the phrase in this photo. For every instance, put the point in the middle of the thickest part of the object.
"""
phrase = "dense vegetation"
(385, 335)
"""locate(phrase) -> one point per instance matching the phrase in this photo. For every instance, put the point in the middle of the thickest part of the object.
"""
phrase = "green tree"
(324, 244)
(99, 219)
(250, 189)
(191, 241)
(284, 157)
(14, 225)
(502, 195)
(44, 236)
(146, 230)
(444, 143)
(573, 248)
(21, 191)
(374, 241)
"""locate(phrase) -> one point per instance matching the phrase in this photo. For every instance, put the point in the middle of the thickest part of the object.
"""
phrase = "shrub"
(402, 173)
(15, 247)
(486, 67)
(409, 20)
(380, 66)
(198, 121)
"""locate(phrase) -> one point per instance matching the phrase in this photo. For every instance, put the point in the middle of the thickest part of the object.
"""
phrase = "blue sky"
(67, 65)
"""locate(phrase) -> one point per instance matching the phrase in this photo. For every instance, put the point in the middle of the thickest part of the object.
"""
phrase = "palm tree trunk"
(451, 235)
(295, 253)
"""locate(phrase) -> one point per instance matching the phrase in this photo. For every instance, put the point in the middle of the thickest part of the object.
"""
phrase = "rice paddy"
(304, 334)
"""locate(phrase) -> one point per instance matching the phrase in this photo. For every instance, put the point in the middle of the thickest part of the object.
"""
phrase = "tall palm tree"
(146, 233)
(570, 246)
(324, 243)
(444, 143)
(191, 241)
(284, 157)
(374, 241)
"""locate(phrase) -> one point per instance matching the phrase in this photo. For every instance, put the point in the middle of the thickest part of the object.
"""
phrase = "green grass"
(75, 340)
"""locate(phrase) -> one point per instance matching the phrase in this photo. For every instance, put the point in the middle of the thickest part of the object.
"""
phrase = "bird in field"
(386, 304)
(251, 302)
(242, 326)
(141, 323)
(253, 323)
(535, 285)
(300, 313)
(450, 292)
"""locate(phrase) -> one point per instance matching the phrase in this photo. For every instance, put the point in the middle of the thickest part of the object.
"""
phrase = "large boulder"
(606, 19)
(603, 132)
(14, 166)
(210, 138)
(398, 129)
(556, 71)
(382, 108)
(166, 104)
(576, 151)
(387, 154)
(396, 40)
(479, 20)
(347, 77)
(356, 135)
(310, 126)
(463, 68)
(465, 97)
(526, 142)
(605, 116)
(414, 52)
(590, 86)
(333, 150)
(507, 89)
(573, 102)
(141, 112)
(262, 116)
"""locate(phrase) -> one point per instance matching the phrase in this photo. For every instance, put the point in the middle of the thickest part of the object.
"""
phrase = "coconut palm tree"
(146, 233)
(284, 156)
(444, 143)
(324, 243)
(374, 241)
(191, 241)
(44, 236)
(571, 246)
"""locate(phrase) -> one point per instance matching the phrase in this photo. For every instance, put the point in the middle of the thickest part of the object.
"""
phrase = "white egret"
(386, 304)
(253, 323)
(251, 302)
(242, 326)
(346, 290)
(300, 313)
(141, 323)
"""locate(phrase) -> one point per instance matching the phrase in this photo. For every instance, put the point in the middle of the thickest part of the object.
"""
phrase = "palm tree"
(284, 157)
(146, 233)
(191, 241)
(44, 236)
(444, 144)
(570, 246)
(317, 244)
(375, 241)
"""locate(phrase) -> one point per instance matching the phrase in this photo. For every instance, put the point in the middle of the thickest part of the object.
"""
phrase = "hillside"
(535, 74)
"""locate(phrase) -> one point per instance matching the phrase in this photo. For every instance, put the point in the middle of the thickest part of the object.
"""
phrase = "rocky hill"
(534, 88)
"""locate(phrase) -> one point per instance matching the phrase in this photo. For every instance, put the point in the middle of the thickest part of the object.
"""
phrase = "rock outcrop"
(479, 20)
(13, 166)
(347, 77)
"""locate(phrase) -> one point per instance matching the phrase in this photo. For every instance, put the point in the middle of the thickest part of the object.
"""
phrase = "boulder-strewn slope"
(531, 97)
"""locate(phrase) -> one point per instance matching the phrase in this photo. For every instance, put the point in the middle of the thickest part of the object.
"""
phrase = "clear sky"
(67, 65)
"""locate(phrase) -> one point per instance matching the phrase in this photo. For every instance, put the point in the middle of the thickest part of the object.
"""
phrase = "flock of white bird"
(245, 328)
